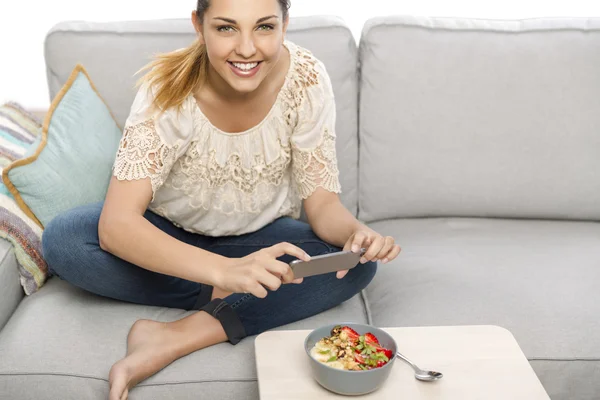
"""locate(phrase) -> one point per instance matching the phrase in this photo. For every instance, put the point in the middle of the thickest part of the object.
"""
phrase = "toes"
(118, 383)
(118, 391)
(114, 395)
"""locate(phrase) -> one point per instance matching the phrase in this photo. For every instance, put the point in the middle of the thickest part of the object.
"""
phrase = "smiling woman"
(224, 143)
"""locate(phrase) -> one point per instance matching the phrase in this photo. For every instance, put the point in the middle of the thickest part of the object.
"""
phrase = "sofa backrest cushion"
(481, 118)
(113, 52)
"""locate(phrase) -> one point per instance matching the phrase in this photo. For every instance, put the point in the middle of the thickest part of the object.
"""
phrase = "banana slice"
(323, 346)
(323, 353)
(335, 364)
(318, 356)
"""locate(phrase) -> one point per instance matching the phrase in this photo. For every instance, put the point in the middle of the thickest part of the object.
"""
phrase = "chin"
(245, 85)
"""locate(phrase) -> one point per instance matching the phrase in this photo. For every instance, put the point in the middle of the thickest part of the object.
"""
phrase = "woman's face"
(243, 40)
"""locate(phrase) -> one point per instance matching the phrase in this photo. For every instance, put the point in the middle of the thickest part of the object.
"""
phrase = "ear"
(285, 24)
(197, 26)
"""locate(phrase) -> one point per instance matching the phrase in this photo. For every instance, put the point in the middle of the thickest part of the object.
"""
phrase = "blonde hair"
(176, 75)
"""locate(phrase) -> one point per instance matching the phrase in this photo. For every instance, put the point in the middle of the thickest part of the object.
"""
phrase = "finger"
(393, 254)
(258, 290)
(357, 243)
(269, 280)
(341, 274)
(373, 249)
(298, 281)
(284, 248)
(281, 270)
(275, 267)
(387, 247)
(367, 243)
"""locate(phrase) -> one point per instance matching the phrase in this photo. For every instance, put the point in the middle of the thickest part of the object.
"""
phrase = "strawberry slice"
(371, 339)
(377, 347)
(352, 334)
(388, 353)
(359, 358)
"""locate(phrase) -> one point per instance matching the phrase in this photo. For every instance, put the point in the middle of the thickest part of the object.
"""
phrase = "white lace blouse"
(215, 183)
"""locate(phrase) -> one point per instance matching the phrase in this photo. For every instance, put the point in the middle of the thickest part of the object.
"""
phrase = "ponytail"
(176, 75)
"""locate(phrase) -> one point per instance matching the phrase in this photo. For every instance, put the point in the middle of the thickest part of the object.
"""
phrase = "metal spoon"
(421, 375)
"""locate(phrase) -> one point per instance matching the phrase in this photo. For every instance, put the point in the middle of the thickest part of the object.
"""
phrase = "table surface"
(478, 362)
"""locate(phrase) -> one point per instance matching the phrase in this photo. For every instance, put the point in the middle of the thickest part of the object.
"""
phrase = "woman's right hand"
(251, 274)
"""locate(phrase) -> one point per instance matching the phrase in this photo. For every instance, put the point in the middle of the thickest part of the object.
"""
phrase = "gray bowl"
(350, 383)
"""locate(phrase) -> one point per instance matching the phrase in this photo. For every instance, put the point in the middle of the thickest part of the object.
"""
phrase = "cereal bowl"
(350, 382)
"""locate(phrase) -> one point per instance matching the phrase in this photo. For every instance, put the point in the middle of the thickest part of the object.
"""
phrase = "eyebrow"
(258, 21)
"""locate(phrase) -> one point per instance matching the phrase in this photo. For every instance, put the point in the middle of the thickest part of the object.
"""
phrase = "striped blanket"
(26, 238)
(19, 132)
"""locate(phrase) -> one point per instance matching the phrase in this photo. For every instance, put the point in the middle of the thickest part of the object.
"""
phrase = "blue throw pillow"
(72, 164)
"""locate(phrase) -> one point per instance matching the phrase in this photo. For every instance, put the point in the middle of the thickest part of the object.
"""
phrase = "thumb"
(341, 274)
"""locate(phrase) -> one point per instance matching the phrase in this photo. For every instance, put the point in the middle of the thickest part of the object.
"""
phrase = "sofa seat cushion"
(61, 342)
(539, 279)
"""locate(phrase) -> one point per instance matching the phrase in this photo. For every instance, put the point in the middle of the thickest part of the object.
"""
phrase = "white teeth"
(245, 66)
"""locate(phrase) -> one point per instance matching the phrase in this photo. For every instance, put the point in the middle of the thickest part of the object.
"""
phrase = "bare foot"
(151, 346)
(149, 349)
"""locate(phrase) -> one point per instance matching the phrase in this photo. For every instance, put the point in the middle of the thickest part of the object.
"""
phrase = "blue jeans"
(72, 250)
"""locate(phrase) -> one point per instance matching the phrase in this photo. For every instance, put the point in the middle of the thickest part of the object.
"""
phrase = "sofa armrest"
(11, 292)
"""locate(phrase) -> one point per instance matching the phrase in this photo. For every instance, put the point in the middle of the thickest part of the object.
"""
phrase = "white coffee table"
(478, 362)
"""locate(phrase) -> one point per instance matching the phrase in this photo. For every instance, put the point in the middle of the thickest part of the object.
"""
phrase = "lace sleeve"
(143, 154)
(152, 141)
(313, 141)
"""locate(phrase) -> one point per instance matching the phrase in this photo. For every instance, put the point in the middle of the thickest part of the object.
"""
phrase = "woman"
(224, 140)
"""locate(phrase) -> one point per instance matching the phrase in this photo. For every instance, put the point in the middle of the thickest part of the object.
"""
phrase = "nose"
(245, 47)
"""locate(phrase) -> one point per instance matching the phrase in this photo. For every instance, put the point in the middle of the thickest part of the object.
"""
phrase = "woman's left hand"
(378, 247)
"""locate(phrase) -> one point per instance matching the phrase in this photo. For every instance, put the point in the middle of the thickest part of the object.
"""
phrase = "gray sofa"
(475, 143)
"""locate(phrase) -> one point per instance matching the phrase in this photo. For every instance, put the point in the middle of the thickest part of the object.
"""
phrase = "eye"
(265, 27)
(225, 28)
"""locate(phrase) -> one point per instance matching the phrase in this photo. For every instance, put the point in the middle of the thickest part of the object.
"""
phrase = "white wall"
(23, 25)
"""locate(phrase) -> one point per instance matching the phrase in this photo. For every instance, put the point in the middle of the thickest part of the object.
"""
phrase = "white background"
(23, 25)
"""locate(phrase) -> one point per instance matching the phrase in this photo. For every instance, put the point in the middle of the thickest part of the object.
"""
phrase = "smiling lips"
(244, 69)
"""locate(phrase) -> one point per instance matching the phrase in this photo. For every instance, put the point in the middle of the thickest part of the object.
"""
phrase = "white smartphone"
(326, 263)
